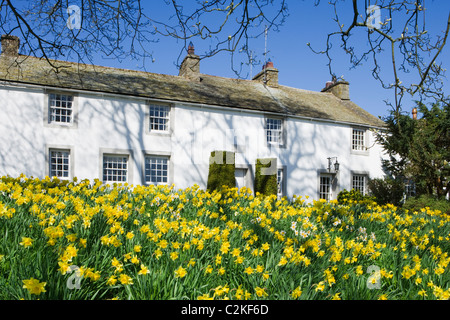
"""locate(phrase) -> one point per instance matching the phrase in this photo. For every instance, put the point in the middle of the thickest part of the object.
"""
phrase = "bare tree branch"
(403, 33)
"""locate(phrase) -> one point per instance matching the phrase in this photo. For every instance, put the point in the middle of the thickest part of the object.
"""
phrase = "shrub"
(221, 173)
(265, 184)
(353, 195)
(387, 190)
(417, 203)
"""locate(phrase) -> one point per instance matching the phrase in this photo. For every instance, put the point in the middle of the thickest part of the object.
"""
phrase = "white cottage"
(119, 125)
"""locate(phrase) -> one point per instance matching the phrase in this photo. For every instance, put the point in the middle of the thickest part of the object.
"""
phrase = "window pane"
(274, 131)
(156, 169)
(60, 106)
(359, 183)
(59, 163)
(358, 143)
(280, 183)
(115, 169)
(325, 187)
(159, 118)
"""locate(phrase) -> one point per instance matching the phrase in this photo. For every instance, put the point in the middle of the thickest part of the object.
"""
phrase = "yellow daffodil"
(248, 270)
(296, 293)
(26, 242)
(209, 269)
(125, 279)
(336, 296)
(260, 292)
(320, 286)
(180, 272)
(144, 270)
(34, 286)
(111, 281)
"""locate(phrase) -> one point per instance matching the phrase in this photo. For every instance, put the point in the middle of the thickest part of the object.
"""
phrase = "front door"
(240, 177)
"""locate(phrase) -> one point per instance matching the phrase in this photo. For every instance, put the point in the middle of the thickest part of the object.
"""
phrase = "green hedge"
(418, 203)
(266, 184)
(221, 170)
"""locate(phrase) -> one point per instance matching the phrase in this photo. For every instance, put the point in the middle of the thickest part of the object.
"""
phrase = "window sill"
(159, 133)
(61, 125)
(359, 152)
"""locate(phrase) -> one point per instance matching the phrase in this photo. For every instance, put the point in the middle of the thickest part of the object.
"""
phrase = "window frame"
(330, 186)
(282, 132)
(168, 169)
(362, 150)
(73, 124)
(49, 149)
(281, 185)
(119, 153)
(170, 119)
(365, 177)
(334, 183)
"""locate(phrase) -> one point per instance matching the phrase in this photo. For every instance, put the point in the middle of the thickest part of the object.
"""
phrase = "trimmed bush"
(265, 178)
(424, 201)
(221, 170)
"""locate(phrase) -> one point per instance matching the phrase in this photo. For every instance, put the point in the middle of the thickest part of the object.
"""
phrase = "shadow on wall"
(22, 146)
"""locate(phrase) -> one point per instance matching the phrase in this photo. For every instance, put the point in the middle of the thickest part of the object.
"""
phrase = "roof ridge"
(206, 89)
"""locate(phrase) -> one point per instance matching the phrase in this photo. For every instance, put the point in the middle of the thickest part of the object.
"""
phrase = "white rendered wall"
(114, 124)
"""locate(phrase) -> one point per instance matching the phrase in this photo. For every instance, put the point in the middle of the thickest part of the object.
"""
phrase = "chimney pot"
(191, 49)
(269, 64)
(414, 113)
(10, 45)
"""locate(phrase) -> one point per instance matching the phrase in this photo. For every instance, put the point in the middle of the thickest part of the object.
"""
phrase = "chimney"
(10, 45)
(339, 88)
(190, 67)
(268, 75)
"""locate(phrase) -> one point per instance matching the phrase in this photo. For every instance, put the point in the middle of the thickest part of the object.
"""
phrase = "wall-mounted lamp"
(332, 165)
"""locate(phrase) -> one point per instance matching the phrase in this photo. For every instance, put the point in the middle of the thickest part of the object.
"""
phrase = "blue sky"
(298, 66)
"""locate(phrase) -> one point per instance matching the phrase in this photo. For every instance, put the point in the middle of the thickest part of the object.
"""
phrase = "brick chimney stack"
(339, 88)
(268, 75)
(10, 45)
(190, 67)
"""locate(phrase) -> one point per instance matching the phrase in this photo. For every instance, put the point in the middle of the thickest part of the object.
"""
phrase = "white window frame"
(52, 152)
(146, 174)
(281, 182)
(359, 182)
(278, 132)
(359, 138)
(325, 194)
(165, 108)
(50, 99)
(118, 157)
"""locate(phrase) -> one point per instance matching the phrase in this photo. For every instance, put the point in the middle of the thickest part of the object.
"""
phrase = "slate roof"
(208, 90)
